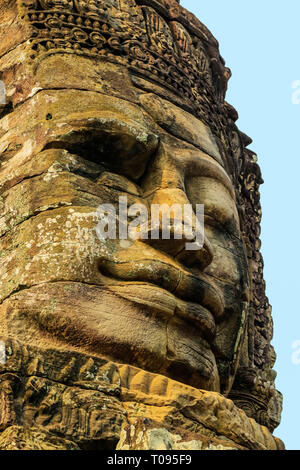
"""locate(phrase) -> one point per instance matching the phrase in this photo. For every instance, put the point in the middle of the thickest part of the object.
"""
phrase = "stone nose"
(175, 229)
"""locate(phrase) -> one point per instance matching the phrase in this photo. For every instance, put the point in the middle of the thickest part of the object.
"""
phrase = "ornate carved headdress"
(165, 43)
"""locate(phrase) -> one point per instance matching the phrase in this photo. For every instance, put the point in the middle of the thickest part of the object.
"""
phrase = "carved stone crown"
(158, 40)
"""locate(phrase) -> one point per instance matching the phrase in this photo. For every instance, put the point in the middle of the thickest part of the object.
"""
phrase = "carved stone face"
(149, 303)
(125, 99)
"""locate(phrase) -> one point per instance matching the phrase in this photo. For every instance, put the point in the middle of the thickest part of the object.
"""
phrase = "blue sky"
(260, 41)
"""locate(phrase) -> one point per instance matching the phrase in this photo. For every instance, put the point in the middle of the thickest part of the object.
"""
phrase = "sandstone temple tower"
(126, 344)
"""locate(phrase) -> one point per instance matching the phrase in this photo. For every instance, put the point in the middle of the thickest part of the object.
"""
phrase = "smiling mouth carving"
(199, 301)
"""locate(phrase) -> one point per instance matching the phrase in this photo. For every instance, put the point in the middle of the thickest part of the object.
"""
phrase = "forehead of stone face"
(121, 49)
(159, 40)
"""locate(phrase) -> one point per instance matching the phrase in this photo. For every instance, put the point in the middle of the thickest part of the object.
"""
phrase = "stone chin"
(129, 324)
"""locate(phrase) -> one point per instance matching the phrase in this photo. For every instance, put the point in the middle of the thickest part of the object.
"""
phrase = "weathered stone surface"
(137, 343)
(71, 400)
(20, 438)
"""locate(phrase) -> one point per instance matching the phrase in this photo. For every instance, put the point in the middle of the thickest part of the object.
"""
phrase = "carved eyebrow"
(181, 124)
(203, 165)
